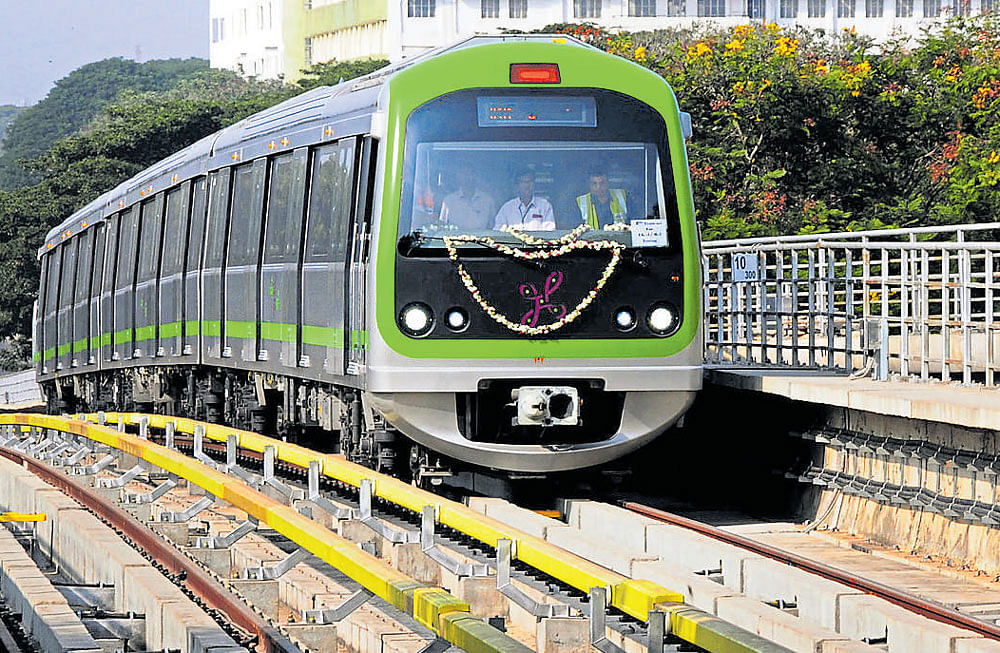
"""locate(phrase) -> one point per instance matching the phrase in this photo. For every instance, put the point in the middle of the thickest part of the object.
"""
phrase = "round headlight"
(662, 319)
(625, 318)
(456, 319)
(416, 319)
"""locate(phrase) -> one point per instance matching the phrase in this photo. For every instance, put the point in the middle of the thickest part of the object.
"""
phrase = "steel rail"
(924, 607)
(198, 581)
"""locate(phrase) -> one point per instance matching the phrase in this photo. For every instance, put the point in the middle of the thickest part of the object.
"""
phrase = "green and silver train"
(481, 257)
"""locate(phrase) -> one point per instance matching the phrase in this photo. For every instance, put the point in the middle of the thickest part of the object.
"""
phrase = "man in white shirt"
(468, 207)
(526, 211)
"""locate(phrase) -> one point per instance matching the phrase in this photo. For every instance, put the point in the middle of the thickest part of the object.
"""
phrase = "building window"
(711, 8)
(987, 6)
(932, 8)
(789, 8)
(904, 8)
(491, 8)
(677, 7)
(309, 51)
(218, 29)
(845, 8)
(420, 8)
(586, 8)
(755, 8)
(816, 8)
(873, 8)
(642, 8)
(518, 8)
(961, 7)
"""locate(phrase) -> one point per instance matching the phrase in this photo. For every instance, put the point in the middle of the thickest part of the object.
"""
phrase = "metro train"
(420, 268)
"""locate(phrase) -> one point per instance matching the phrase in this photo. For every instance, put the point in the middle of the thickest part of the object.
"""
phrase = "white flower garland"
(562, 245)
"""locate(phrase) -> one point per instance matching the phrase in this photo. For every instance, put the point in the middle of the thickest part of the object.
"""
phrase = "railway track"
(539, 568)
(908, 600)
(542, 578)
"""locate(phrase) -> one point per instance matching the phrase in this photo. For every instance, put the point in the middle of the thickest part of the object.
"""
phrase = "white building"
(278, 38)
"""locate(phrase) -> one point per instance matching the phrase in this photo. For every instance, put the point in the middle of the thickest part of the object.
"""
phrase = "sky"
(44, 40)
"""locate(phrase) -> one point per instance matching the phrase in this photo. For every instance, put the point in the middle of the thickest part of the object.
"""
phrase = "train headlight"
(416, 319)
(625, 318)
(662, 319)
(456, 319)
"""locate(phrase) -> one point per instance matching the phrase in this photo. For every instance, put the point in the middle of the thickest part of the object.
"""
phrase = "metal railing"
(921, 303)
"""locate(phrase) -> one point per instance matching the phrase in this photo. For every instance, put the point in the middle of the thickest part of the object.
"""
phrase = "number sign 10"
(746, 267)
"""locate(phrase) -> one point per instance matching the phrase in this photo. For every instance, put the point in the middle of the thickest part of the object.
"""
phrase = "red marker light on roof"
(534, 73)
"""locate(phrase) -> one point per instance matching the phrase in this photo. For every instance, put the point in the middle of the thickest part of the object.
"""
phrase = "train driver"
(468, 207)
(602, 205)
(526, 211)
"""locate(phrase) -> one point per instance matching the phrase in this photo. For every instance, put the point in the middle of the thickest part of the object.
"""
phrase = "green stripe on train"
(145, 333)
(323, 336)
(170, 330)
(279, 331)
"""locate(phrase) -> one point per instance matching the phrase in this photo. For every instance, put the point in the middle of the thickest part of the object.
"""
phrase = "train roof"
(336, 111)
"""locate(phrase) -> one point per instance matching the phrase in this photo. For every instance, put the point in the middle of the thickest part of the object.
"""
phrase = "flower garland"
(561, 246)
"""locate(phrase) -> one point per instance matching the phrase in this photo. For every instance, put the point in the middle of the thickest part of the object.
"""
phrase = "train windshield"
(597, 164)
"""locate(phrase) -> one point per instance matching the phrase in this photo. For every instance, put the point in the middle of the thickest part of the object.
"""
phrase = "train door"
(355, 354)
(279, 289)
(331, 197)
(94, 300)
(108, 288)
(147, 268)
(171, 298)
(215, 256)
(124, 301)
(64, 354)
(192, 271)
(242, 312)
(81, 299)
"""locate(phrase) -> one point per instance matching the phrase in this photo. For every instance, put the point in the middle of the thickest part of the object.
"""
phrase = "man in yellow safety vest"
(602, 205)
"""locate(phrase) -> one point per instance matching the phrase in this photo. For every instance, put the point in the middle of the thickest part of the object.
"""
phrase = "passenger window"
(244, 228)
(83, 276)
(331, 197)
(196, 234)
(100, 241)
(150, 239)
(68, 272)
(111, 253)
(217, 211)
(284, 209)
(126, 249)
(52, 291)
(174, 236)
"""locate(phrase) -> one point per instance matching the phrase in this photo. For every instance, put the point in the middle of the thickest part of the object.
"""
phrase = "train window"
(196, 234)
(100, 243)
(111, 253)
(244, 228)
(126, 248)
(68, 272)
(84, 264)
(150, 236)
(215, 245)
(174, 236)
(331, 197)
(284, 209)
(466, 171)
(52, 289)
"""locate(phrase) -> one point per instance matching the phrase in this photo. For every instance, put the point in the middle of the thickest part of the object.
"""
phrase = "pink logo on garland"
(529, 292)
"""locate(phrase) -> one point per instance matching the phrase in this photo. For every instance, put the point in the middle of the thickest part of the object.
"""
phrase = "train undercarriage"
(325, 417)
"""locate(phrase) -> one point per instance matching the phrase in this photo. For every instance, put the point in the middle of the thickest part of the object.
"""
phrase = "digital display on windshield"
(534, 111)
